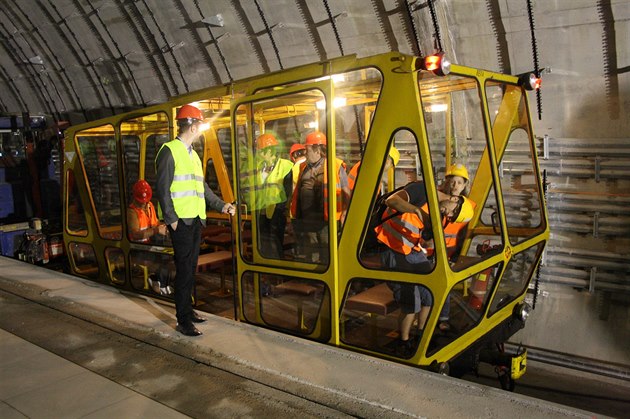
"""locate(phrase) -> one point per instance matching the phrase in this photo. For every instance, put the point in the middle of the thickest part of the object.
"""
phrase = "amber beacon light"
(437, 64)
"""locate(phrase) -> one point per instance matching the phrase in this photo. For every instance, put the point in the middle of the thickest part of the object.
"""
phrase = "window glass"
(371, 316)
(356, 96)
(97, 151)
(141, 138)
(386, 223)
(225, 142)
(455, 127)
(84, 259)
(76, 223)
(266, 177)
(289, 303)
(465, 306)
(517, 171)
(152, 272)
(115, 259)
(517, 274)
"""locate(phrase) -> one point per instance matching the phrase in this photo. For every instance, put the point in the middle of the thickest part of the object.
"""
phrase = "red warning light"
(432, 62)
(436, 63)
(529, 81)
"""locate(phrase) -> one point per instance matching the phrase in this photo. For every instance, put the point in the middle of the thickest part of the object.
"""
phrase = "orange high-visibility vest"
(402, 233)
(145, 220)
(352, 175)
(451, 231)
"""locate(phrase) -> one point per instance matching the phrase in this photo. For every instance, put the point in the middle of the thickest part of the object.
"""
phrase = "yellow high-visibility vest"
(187, 191)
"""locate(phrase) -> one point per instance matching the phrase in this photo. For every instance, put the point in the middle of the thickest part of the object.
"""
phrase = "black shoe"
(196, 318)
(188, 330)
(405, 348)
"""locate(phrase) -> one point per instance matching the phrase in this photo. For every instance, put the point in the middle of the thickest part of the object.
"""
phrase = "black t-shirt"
(417, 193)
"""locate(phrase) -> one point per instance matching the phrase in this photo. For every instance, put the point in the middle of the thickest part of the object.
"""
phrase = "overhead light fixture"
(216, 20)
(436, 107)
(337, 103)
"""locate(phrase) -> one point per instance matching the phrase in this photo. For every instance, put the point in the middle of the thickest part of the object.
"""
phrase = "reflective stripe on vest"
(403, 233)
(187, 190)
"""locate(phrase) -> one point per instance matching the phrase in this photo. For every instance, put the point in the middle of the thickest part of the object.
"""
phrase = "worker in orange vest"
(309, 203)
(407, 237)
(143, 226)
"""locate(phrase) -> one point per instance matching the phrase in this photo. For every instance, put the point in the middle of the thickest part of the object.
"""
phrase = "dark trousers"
(186, 241)
(271, 233)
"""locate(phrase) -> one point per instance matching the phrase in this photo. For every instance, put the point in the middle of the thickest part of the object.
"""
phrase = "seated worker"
(408, 242)
(309, 203)
(144, 225)
(392, 161)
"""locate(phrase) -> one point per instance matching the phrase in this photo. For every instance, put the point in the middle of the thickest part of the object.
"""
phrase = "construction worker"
(407, 236)
(309, 204)
(272, 186)
(182, 197)
(143, 226)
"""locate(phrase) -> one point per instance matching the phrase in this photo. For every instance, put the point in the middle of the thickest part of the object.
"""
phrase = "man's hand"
(174, 225)
(228, 209)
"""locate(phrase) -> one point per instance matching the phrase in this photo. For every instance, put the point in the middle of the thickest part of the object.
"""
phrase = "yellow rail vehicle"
(342, 292)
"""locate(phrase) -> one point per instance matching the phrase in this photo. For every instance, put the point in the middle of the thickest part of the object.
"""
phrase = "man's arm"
(212, 199)
(165, 169)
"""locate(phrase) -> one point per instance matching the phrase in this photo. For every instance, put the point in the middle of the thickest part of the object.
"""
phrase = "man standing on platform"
(182, 195)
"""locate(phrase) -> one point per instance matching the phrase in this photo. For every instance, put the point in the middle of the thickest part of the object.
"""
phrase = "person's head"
(188, 119)
(142, 192)
(315, 146)
(456, 180)
(449, 208)
(297, 151)
(266, 145)
(457, 209)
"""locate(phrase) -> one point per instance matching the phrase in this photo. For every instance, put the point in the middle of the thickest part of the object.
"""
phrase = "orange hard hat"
(316, 138)
(142, 191)
(266, 140)
(189, 112)
(296, 147)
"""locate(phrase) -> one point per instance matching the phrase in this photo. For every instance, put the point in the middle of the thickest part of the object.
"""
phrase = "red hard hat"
(316, 138)
(266, 140)
(189, 112)
(296, 147)
(142, 191)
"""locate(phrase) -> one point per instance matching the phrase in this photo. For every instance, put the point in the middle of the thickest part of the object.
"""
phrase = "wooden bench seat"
(213, 260)
(376, 300)
(303, 290)
(296, 287)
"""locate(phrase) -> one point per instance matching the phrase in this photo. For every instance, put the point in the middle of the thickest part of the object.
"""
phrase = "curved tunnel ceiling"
(98, 57)
(84, 59)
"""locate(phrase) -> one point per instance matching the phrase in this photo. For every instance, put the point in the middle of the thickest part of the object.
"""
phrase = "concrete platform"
(36, 383)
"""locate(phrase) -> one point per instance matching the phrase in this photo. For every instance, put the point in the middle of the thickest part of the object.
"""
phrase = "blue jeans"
(411, 297)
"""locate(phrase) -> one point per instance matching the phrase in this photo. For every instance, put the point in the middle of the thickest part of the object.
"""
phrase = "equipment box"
(10, 241)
